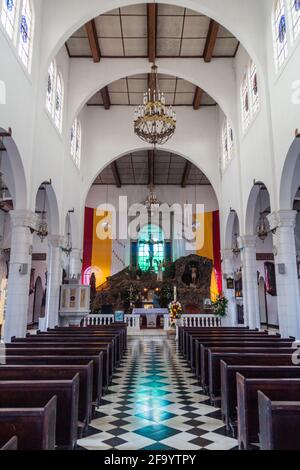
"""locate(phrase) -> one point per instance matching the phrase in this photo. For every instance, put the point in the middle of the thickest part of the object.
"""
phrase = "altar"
(151, 315)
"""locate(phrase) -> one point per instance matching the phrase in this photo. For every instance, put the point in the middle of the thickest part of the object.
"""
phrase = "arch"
(253, 209)
(232, 227)
(290, 176)
(80, 13)
(88, 80)
(14, 173)
(91, 180)
(52, 209)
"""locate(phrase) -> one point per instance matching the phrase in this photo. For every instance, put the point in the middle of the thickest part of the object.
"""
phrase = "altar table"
(151, 314)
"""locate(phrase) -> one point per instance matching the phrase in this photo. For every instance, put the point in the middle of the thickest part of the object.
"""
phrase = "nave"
(155, 403)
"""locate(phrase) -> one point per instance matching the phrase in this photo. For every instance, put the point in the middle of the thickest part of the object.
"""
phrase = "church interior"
(149, 225)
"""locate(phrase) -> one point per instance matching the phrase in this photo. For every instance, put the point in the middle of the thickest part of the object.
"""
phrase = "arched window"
(249, 95)
(26, 33)
(280, 33)
(76, 143)
(294, 8)
(245, 101)
(9, 15)
(151, 247)
(227, 143)
(55, 95)
(59, 102)
(51, 84)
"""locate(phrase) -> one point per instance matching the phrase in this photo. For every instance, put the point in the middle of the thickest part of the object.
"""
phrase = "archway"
(258, 229)
(38, 301)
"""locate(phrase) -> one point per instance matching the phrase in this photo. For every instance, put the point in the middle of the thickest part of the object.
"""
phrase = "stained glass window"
(227, 143)
(58, 102)
(76, 143)
(9, 16)
(280, 34)
(52, 72)
(26, 33)
(151, 247)
(294, 7)
(253, 84)
(245, 102)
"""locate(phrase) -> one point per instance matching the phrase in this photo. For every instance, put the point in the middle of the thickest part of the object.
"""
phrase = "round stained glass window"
(282, 29)
(297, 5)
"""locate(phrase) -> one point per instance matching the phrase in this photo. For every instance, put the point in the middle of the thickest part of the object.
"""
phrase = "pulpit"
(74, 304)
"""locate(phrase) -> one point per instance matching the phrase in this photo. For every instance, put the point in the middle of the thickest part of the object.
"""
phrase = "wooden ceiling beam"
(211, 40)
(93, 40)
(152, 31)
(198, 98)
(105, 98)
(186, 174)
(116, 174)
(151, 167)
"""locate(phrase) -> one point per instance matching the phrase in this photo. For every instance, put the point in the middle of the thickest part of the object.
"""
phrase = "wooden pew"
(192, 338)
(33, 393)
(247, 409)
(228, 385)
(73, 339)
(183, 330)
(58, 372)
(76, 349)
(101, 359)
(201, 371)
(52, 359)
(279, 424)
(12, 444)
(34, 427)
(240, 358)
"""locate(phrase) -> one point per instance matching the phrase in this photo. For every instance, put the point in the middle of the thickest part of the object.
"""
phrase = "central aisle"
(155, 403)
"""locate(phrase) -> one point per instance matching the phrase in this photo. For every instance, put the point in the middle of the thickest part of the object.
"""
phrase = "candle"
(175, 293)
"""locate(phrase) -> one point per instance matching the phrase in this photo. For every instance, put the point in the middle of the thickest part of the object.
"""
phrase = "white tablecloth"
(151, 314)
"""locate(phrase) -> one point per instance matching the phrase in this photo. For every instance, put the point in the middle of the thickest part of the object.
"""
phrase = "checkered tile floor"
(155, 403)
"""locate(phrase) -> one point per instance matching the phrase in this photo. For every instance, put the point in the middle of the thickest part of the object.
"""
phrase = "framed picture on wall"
(230, 283)
(119, 316)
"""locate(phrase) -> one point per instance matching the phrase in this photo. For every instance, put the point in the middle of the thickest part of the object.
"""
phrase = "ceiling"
(129, 92)
(152, 31)
(180, 32)
(142, 168)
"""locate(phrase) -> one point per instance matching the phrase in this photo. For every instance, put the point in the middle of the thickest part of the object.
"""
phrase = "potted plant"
(220, 306)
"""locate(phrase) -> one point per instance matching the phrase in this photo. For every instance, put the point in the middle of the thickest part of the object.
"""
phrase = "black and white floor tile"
(155, 403)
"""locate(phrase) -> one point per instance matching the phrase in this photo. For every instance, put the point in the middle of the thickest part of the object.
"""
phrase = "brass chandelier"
(154, 122)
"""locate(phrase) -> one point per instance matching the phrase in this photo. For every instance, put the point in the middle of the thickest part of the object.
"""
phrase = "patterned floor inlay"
(155, 403)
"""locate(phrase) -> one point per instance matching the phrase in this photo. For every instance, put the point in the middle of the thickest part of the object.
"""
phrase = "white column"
(76, 263)
(22, 224)
(228, 269)
(54, 279)
(286, 271)
(247, 245)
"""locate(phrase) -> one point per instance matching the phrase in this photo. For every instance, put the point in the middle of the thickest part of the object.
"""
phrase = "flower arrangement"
(175, 309)
(220, 306)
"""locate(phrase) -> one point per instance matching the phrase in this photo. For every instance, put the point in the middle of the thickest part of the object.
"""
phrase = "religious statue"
(191, 275)
(160, 276)
(93, 286)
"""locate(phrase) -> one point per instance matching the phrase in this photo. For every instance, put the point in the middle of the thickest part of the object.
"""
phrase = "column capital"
(283, 218)
(247, 241)
(55, 241)
(24, 218)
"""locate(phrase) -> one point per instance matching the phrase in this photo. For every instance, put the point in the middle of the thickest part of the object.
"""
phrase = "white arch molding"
(92, 178)
(74, 13)
(290, 177)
